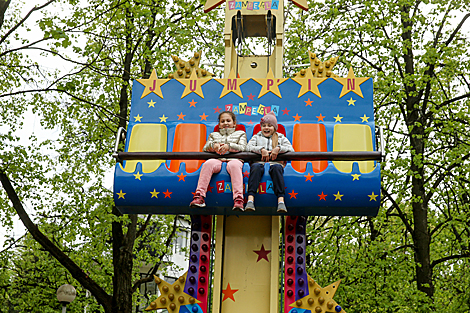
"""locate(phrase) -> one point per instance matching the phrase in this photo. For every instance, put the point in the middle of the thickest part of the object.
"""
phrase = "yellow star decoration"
(308, 83)
(138, 118)
(193, 84)
(373, 197)
(152, 84)
(351, 83)
(121, 194)
(154, 193)
(138, 176)
(319, 299)
(270, 84)
(356, 176)
(171, 296)
(338, 118)
(338, 196)
(163, 118)
(151, 103)
(351, 102)
(184, 68)
(232, 84)
(365, 118)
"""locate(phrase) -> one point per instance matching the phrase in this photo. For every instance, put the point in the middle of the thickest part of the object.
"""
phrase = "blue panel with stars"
(328, 192)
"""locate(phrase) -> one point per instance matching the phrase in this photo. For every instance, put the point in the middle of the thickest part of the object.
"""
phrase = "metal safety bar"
(250, 156)
(121, 135)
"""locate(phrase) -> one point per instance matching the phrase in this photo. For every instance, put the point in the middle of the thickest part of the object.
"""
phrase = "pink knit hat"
(270, 118)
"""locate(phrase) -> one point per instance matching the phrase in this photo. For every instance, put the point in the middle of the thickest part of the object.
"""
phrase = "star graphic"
(177, 299)
(193, 84)
(319, 299)
(138, 176)
(320, 118)
(246, 174)
(138, 118)
(270, 84)
(203, 117)
(151, 103)
(285, 111)
(231, 84)
(251, 97)
(351, 102)
(250, 123)
(217, 109)
(293, 194)
(322, 196)
(152, 84)
(192, 103)
(355, 176)
(351, 83)
(154, 193)
(373, 197)
(181, 177)
(308, 102)
(365, 118)
(308, 177)
(297, 117)
(181, 116)
(262, 254)
(338, 118)
(338, 196)
(163, 118)
(309, 83)
(228, 293)
(209, 188)
(121, 194)
(167, 194)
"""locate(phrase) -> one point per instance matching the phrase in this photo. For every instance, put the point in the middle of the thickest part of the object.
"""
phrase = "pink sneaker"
(198, 201)
(238, 205)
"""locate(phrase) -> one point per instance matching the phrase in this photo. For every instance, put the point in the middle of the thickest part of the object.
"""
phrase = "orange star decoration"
(322, 196)
(293, 194)
(181, 177)
(270, 84)
(262, 253)
(152, 84)
(351, 83)
(308, 83)
(308, 177)
(319, 299)
(167, 193)
(228, 293)
(232, 84)
(171, 296)
(297, 117)
(184, 68)
(193, 84)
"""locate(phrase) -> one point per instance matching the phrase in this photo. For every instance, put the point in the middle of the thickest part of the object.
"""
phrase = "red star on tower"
(285, 111)
(228, 293)
(217, 109)
(262, 254)
(250, 97)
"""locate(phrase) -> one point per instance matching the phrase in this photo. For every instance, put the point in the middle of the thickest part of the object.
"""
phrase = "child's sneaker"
(198, 201)
(250, 206)
(281, 208)
(238, 204)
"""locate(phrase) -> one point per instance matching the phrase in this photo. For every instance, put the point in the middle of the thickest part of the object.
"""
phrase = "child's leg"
(256, 172)
(234, 168)
(209, 168)
(276, 171)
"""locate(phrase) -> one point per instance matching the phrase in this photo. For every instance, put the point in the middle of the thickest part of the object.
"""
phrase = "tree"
(417, 53)
(108, 43)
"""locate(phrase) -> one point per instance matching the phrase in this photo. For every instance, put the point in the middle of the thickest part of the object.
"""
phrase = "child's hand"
(222, 148)
(215, 147)
(275, 152)
(264, 155)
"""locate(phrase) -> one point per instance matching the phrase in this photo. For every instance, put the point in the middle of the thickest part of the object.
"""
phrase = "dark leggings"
(276, 171)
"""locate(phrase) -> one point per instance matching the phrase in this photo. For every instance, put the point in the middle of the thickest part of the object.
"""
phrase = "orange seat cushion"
(188, 138)
(309, 137)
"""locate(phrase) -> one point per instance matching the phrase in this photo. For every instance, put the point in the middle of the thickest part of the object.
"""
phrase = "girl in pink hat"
(269, 143)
